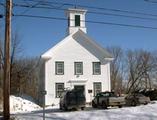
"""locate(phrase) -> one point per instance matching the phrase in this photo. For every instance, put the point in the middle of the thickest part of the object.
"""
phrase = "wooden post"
(6, 86)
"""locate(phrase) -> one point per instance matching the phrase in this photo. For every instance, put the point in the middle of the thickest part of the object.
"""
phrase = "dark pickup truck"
(106, 99)
(72, 99)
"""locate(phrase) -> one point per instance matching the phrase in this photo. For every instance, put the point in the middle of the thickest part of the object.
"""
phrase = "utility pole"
(6, 86)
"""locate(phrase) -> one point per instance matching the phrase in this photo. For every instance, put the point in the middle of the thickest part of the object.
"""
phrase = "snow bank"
(143, 112)
(22, 104)
(31, 111)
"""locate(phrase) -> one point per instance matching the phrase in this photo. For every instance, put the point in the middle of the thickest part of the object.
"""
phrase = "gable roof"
(81, 38)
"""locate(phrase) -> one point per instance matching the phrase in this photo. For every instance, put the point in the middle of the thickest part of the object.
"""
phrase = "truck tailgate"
(116, 100)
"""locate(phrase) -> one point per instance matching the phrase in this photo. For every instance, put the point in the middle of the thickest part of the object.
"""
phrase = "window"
(77, 20)
(97, 87)
(59, 89)
(59, 68)
(96, 68)
(78, 68)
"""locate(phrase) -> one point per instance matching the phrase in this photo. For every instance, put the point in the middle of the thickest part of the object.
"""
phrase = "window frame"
(57, 91)
(94, 88)
(68, 21)
(96, 73)
(56, 67)
(75, 68)
(77, 20)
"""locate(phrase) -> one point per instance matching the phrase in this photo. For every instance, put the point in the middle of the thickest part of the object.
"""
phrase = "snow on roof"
(106, 55)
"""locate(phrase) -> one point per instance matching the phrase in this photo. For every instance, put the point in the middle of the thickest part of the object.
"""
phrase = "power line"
(120, 15)
(2, 4)
(88, 21)
(32, 6)
(99, 8)
(151, 1)
(1, 15)
(128, 25)
(93, 12)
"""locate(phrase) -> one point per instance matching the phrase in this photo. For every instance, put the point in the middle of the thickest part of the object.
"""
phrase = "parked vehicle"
(136, 99)
(151, 93)
(105, 99)
(72, 99)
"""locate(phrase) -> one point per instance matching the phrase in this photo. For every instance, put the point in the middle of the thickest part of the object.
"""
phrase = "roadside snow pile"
(22, 104)
(142, 112)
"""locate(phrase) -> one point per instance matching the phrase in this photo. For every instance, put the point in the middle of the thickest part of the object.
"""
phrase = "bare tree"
(1, 55)
(153, 74)
(140, 65)
(117, 69)
(132, 70)
(16, 50)
(1, 73)
(24, 77)
(16, 53)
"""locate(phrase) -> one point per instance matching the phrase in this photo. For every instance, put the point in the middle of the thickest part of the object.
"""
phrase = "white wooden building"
(76, 62)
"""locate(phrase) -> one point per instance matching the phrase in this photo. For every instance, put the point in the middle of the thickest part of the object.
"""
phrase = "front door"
(80, 87)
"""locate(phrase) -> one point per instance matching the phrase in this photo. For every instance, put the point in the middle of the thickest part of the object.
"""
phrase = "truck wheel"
(120, 106)
(94, 105)
(65, 108)
(82, 108)
(60, 107)
(133, 103)
(104, 105)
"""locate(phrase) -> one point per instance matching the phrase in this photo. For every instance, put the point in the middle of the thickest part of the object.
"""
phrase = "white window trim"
(94, 69)
(58, 90)
(76, 69)
(56, 67)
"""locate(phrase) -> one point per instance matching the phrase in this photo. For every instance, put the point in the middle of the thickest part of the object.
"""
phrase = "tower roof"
(76, 10)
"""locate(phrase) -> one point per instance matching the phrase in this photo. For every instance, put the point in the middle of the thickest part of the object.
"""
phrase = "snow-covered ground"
(143, 112)
(22, 104)
(23, 108)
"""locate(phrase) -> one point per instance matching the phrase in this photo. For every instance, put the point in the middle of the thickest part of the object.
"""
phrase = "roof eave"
(109, 59)
(45, 57)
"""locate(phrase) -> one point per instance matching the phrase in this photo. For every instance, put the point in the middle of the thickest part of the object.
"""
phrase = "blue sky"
(38, 35)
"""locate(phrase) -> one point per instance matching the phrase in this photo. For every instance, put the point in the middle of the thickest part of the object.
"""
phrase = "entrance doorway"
(80, 87)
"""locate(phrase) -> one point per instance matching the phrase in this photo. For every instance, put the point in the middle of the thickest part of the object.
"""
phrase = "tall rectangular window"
(59, 89)
(78, 68)
(59, 68)
(96, 68)
(77, 20)
(97, 87)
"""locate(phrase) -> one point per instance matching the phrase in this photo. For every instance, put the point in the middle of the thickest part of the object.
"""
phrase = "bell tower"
(76, 20)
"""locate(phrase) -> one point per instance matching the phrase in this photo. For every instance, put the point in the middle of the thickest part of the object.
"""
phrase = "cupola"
(76, 20)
